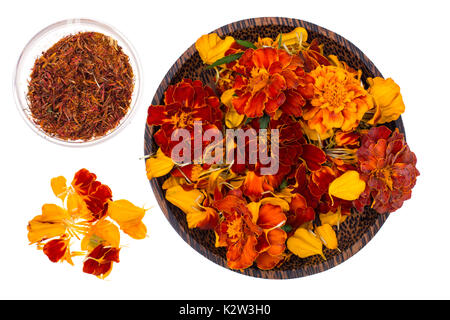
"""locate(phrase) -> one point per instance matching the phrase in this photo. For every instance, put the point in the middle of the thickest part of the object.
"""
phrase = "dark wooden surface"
(353, 234)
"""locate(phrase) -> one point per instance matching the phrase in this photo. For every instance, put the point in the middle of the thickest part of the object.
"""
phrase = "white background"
(408, 258)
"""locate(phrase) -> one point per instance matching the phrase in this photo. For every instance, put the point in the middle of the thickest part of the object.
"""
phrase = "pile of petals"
(87, 214)
(337, 155)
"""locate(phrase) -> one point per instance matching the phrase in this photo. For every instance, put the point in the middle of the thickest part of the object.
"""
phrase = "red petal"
(313, 156)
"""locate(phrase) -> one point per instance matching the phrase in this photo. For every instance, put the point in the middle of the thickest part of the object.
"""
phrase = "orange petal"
(266, 261)
(49, 224)
(253, 186)
(59, 187)
(277, 240)
(129, 217)
(203, 219)
(103, 232)
(271, 216)
(242, 255)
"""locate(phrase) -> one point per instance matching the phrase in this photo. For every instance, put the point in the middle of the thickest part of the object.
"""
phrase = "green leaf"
(286, 228)
(247, 121)
(226, 59)
(246, 44)
(283, 184)
(264, 121)
(280, 41)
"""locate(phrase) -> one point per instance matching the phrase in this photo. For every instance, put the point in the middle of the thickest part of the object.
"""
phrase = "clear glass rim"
(22, 105)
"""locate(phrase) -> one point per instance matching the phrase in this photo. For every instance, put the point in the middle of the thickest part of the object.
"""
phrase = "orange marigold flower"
(339, 100)
(237, 231)
(389, 168)
(269, 79)
(249, 235)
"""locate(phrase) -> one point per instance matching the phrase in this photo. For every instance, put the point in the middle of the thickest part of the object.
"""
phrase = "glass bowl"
(46, 38)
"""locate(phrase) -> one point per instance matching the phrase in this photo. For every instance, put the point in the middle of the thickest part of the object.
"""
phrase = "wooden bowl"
(353, 234)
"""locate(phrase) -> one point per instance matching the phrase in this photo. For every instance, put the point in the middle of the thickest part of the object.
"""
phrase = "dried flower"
(185, 103)
(88, 206)
(339, 100)
(269, 79)
(389, 169)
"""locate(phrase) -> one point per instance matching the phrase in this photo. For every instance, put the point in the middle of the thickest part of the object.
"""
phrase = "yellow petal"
(214, 180)
(103, 232)
(232, 118)
(305, 243)
(59, 187)
(253, 207)
(172, 182)
(49, 224)
(129, 217)
(202, 218)
(332, 218)
(212, 48)
(314, 134)
(327, 235)
(159, 165)
(387, 97)
(347, 186)
(187, 201)
(293, 37)
(76, 206)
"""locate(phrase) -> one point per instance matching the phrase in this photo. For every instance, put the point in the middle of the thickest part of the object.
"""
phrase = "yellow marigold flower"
(212, 48)
(388, 100)
(339, 100)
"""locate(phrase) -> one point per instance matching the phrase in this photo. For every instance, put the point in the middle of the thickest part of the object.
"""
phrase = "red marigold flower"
(93, 192)
(388, 167)
(185, 102)
(100, 259)
(269, 79)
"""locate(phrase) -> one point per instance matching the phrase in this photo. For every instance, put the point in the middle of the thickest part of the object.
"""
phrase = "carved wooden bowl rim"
(168, 209)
